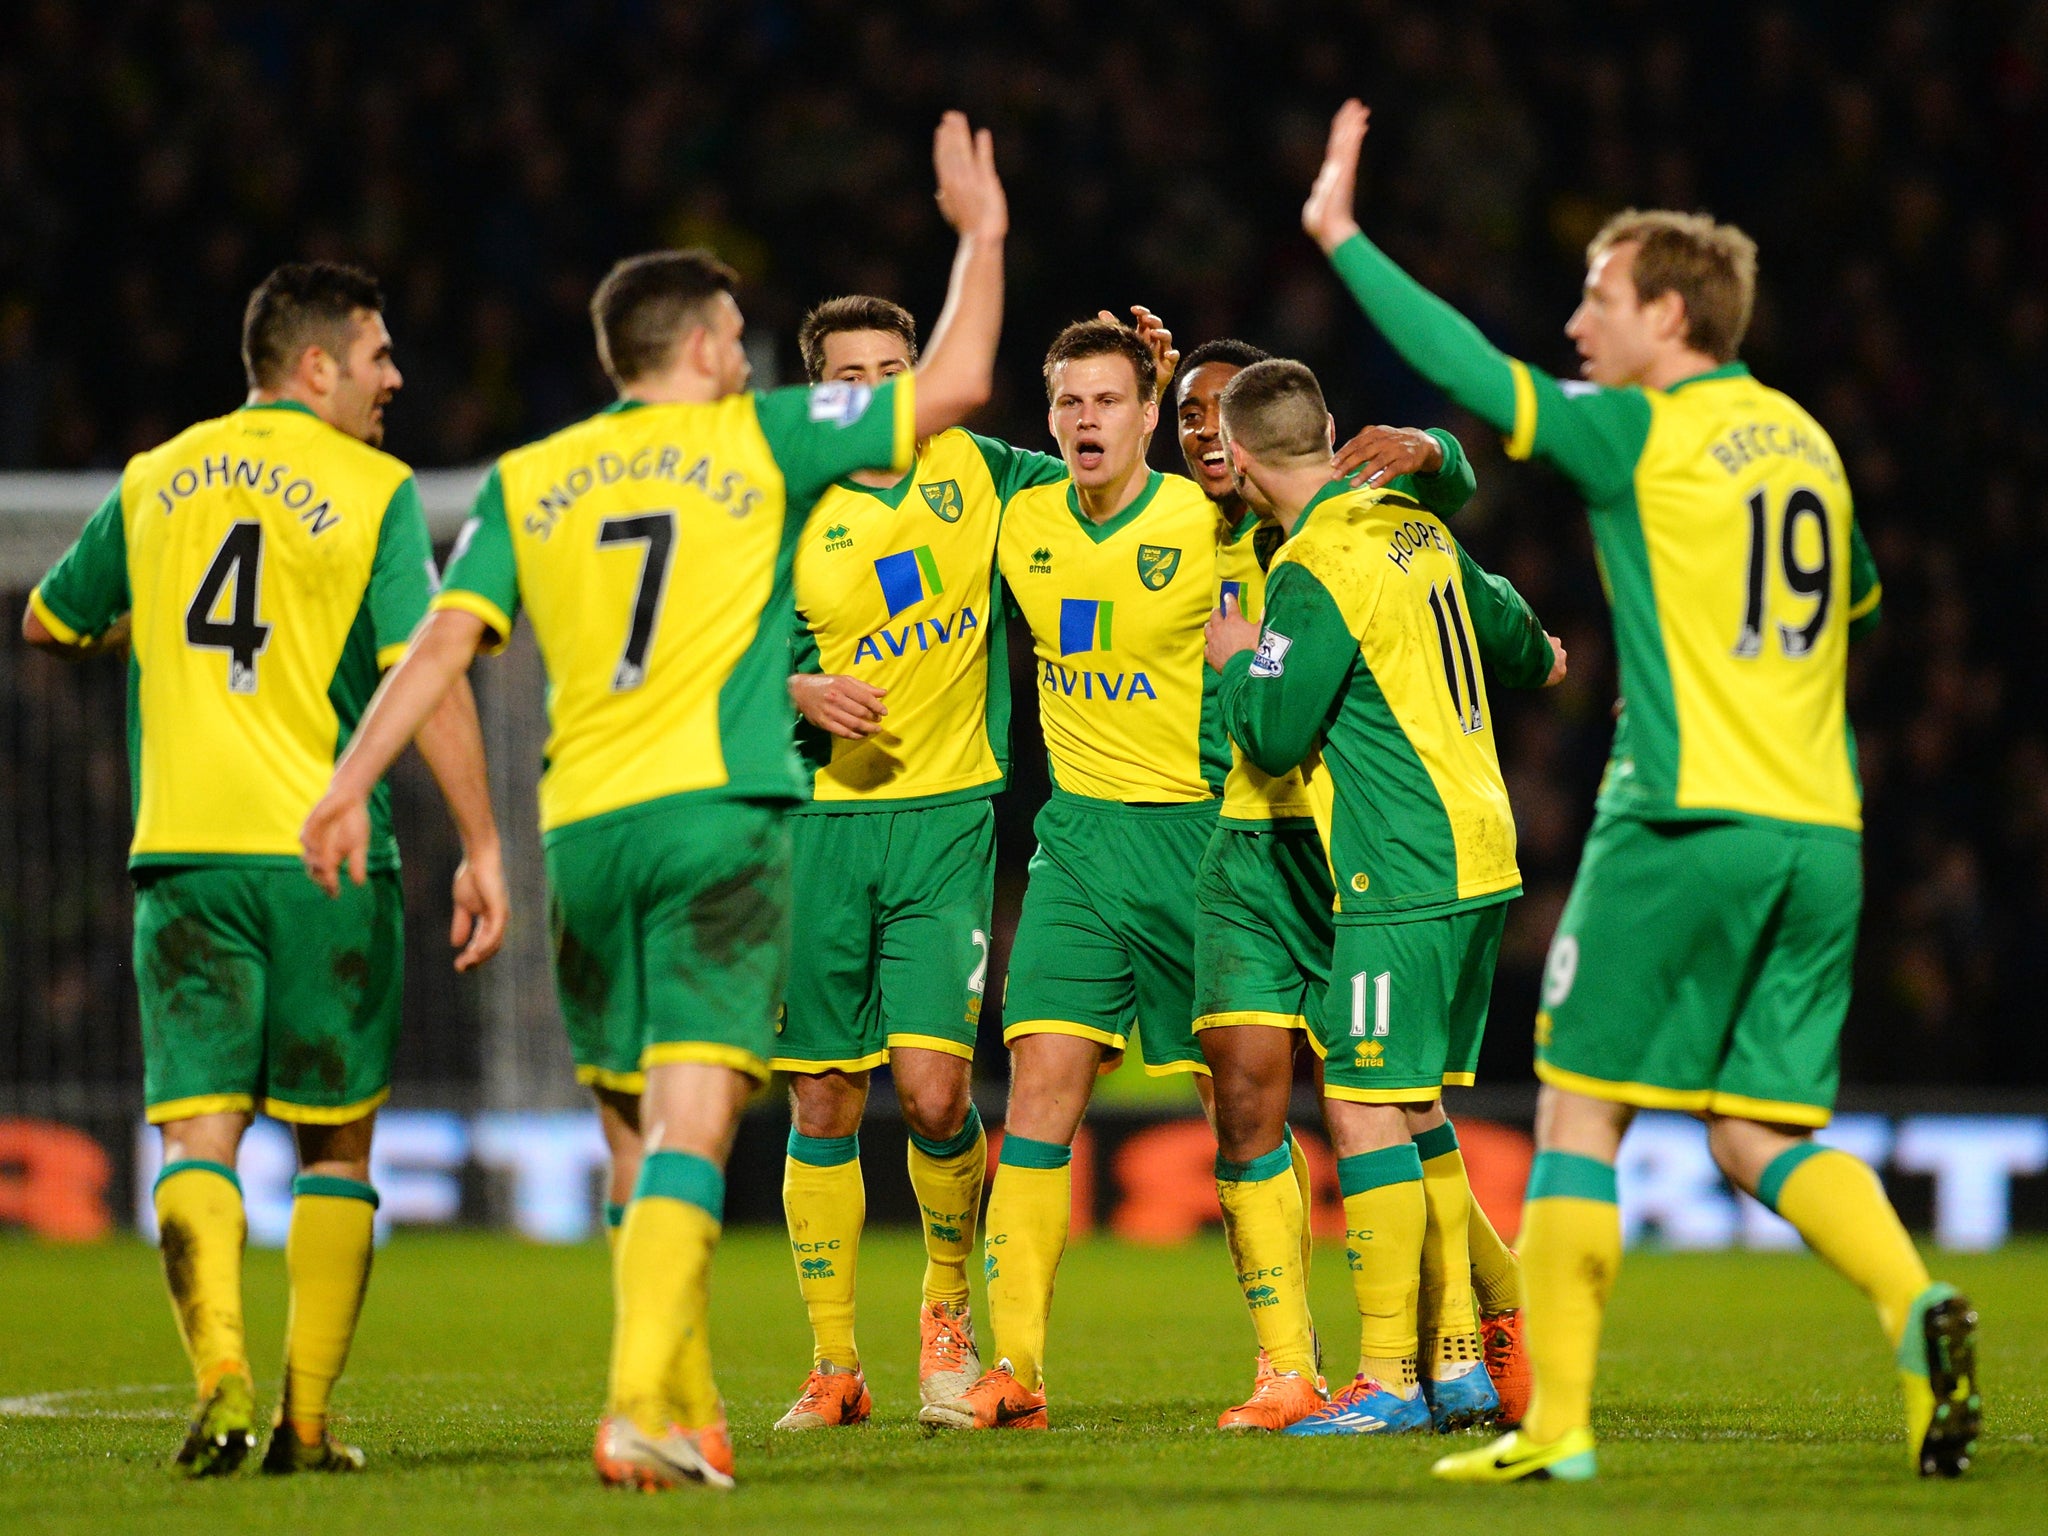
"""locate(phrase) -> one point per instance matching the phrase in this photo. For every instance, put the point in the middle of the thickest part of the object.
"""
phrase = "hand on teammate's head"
(1158, 341)
(1383, 454)
(970, 193)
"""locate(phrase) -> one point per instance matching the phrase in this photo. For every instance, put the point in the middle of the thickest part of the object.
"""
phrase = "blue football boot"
(1366, 1408)
(1461, 1401)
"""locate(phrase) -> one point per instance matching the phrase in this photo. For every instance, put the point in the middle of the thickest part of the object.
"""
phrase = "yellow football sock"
(1496, 1272)
(1028, 1213)
(661, 1360)
(1262, 1220)
(1841, 1210)
(946, 1176)
(1385, 1218)
(201, 1229)
(1298, 1160)
(825, 1203)
(614, 1218)
(1449, 1325)
(327, 1265)
(1571, 1252)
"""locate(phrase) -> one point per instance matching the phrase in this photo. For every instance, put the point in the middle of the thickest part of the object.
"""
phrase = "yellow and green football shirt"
(1729, 549)
(1378, 632)
(1116, 612)
(1254, 800)
(897, 586)
(651, 546)
(272, 565)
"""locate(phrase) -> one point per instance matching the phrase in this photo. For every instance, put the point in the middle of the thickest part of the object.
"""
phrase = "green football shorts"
(1405, 1012)
(1106, 941)
(1263, 929)
(670, 924)
(1704, 965)
(890, 926)
(258, 991)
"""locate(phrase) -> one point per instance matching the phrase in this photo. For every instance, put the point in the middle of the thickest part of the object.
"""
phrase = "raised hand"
(970, 192)
(1383, 454)
(1329, 214)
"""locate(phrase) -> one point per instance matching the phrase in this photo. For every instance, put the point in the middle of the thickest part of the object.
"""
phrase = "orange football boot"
(830, 1398)
(628, 1457)
(1276, 1401)
(947, 1361)
(1507, 1362)
(997, 1401)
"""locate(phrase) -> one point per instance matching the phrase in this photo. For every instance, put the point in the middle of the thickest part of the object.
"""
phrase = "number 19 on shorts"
(1377, 1009)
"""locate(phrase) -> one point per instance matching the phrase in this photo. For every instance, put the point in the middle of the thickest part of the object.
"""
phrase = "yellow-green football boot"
(1938, 1368)
(1514, 1458)
(223, 1429)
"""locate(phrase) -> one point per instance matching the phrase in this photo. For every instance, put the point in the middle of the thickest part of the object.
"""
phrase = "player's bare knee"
(337, 1151)
(827, 1104)
(1743, 1149)
(1580, 1124)
(205, 1138)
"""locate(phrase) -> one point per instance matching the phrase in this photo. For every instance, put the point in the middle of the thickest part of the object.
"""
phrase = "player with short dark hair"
(669, 762)
(1703, 960)
(1365, 679)
(266, 566)
(903, 679)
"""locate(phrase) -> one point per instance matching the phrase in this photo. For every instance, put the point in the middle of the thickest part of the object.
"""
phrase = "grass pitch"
(1740, 1392)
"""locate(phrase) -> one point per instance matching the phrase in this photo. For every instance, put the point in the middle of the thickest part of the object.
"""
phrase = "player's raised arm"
(957, 372)
(1432, 338)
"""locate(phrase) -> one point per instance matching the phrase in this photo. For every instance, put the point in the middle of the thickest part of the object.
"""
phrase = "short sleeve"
(1016, 469)
(87, 589)
(1593, 435)
(402, 577)
(483, 575)
(824, 431)
(1866, 590)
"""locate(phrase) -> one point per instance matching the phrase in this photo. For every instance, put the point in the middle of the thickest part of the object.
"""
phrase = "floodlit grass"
(1740, 1392)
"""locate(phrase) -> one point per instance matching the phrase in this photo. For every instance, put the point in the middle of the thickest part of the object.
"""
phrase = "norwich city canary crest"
(1156, 565)
(944, 499)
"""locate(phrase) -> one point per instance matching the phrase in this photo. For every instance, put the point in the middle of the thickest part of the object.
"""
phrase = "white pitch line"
(51, 1405)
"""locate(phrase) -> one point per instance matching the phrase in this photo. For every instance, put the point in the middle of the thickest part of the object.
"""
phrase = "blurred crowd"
(490, 160)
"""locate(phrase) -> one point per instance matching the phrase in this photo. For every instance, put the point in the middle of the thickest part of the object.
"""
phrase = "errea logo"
(1041, 561)
(838, 536)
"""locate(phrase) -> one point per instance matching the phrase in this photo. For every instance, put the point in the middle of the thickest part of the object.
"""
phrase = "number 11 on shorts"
(1382, 1002)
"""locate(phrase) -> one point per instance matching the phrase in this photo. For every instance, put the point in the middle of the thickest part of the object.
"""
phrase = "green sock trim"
(683, 1176)
(1433, 1144)
(1269, 1166)
(1911, 1354)
(1781, 1168)
(196, 1165)
(1371, 1170)
(824, 1151)
(1023, 1152)
(614, 1214)
(954, 1145)
(1568, 1176)
(340, 1189)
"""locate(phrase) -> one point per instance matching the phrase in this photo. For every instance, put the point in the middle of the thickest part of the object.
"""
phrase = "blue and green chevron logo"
(908, 577)
(1084, 625)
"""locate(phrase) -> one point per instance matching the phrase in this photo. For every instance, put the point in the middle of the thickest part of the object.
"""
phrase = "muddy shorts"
(670, 927)
(258, 991)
